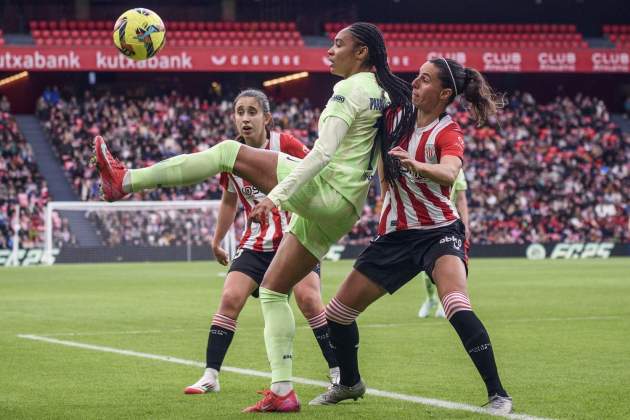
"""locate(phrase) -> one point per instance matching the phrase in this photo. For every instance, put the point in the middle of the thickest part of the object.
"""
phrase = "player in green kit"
(458, 197)
(325, 191)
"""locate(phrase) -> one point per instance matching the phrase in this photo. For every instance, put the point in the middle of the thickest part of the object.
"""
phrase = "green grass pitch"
(560, 330)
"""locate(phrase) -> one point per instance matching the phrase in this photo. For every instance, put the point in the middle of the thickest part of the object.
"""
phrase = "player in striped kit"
(458, 198)
(258, 245)
(420, 229)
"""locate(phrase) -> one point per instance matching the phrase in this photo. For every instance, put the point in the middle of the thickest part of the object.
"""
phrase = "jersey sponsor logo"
(413, 175)
(250, 191)
(457, 242)
(557, 61)
(377, 104)
(239, 252)
(610, 61)
(338, 98)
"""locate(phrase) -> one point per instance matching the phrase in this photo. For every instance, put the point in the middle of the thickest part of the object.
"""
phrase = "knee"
(309, 302)
(231, 304)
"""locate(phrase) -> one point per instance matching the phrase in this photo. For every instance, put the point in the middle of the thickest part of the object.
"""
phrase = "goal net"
(132, 231)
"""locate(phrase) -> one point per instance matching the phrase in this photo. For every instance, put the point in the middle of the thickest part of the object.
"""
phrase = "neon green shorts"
(321, 215)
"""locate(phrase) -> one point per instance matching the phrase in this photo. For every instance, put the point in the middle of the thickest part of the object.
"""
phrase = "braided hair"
(401, 109)
(468, 82)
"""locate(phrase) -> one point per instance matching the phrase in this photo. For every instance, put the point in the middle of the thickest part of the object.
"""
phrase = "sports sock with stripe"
(219, 340)
(279, 333)
(477, 343)
(319, 325)
(345, 342)
(186, 169)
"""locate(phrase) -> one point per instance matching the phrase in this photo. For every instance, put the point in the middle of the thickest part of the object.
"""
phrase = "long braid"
(400, 117)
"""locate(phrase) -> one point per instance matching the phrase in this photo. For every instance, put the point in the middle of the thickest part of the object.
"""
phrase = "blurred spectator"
(537, 173)
(22, 184)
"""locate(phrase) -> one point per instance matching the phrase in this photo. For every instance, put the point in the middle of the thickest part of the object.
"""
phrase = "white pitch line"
(305, 381)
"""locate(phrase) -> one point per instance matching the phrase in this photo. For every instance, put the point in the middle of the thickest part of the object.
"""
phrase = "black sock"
(219, 340)
(323, 339)
(345, 342)
(477, 343)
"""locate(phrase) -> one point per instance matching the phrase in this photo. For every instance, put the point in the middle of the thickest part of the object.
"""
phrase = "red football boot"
(274, 403)
(111, 171)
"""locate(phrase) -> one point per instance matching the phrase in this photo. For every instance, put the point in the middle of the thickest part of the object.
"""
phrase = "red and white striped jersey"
(255, 237)
(415, 202)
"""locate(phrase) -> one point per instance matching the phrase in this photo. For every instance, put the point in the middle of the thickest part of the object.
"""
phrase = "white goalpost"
(182, 221)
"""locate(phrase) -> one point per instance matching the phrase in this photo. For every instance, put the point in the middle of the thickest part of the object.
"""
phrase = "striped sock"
(344, 337)
(219, 340)
(475, 339)
(319, 325)
(455, 302)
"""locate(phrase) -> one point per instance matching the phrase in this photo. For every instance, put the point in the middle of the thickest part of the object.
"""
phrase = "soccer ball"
(139, 34)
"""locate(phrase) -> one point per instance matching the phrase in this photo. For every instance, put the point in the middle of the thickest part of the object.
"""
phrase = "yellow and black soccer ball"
(139, 34)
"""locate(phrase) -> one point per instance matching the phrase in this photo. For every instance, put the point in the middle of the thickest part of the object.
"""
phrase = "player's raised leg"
(255, 165)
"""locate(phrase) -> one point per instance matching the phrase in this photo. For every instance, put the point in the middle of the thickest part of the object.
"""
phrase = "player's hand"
(260, 211)
(220, 254)
(405, 160)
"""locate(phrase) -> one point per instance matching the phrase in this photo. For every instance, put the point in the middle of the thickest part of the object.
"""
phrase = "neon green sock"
(187, 169)
(431, 289)
(279, 333)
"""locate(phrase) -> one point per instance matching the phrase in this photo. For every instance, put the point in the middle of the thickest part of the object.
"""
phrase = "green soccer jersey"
(459, 185)
(359, 101)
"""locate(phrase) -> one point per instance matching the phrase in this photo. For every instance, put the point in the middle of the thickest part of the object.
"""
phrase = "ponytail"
(471, 84)
(482, 99)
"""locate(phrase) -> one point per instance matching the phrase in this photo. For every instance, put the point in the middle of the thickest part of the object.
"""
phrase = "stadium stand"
(533, 174)
(618, 34)
(475, 35)
(21, 183)
(201, 34)
(1, 38)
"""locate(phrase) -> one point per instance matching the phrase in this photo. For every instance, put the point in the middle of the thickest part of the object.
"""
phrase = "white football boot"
(209, 382)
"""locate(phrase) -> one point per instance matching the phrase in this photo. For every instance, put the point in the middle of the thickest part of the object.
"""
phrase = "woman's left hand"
(405, 160)
(260, 211)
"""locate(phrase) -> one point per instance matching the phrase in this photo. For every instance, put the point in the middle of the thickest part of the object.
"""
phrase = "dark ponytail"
(389, 134)
(468, 82)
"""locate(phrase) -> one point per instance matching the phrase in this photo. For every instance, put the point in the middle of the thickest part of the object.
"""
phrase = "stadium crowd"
(537, 172)
(22, 184)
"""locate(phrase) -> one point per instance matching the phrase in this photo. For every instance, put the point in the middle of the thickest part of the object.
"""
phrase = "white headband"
(451, 73)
